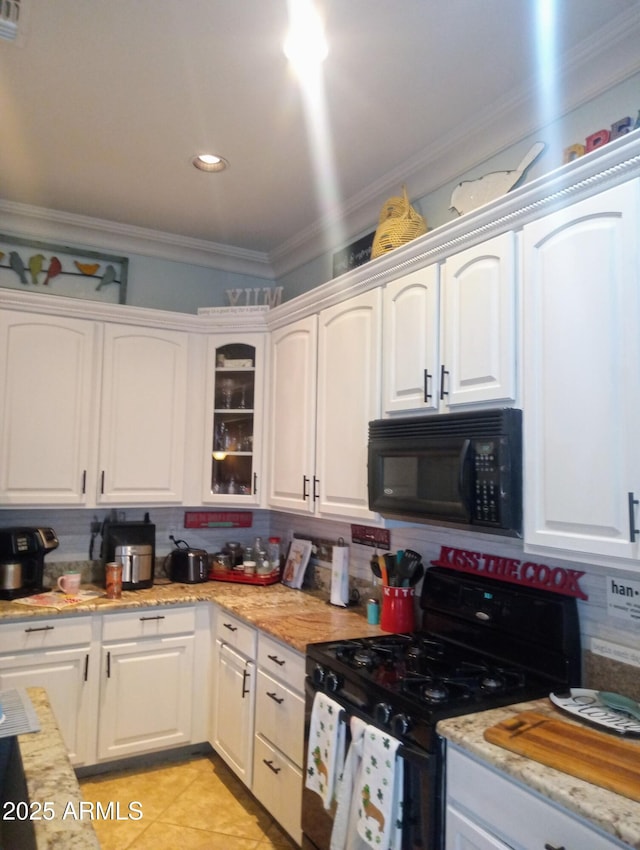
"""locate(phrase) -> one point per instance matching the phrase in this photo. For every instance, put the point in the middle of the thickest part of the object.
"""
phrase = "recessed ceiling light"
(209, 162)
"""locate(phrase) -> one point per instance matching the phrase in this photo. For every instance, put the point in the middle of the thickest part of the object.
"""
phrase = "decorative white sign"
(623, 598)
(269, 295)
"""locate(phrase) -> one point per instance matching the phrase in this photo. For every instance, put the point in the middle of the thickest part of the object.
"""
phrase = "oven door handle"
(465, 477)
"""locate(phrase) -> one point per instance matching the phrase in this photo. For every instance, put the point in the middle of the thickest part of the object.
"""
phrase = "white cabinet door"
(479, 324)
(582, 382)
(67, 677)
(146, 696)
(47, 386)
(349, 382)
(143, 415)
(411, 342)
(462, 833)
(292, 437)
(233, 713)
(235, 420)
(489, 811)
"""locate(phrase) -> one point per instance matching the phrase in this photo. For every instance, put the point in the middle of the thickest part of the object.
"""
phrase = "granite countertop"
(613, 813)
(295, 617)
(50, 779)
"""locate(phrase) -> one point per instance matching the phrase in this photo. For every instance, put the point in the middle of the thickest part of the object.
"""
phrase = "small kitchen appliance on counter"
(186, 565)
(132, 544)
(22, 552)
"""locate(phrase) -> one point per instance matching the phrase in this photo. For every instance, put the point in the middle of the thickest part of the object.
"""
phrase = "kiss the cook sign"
(557, 579)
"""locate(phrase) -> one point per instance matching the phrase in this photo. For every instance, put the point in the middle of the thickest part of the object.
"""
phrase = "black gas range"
(483, 643)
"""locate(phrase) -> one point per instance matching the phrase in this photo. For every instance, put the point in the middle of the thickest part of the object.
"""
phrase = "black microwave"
(460, 469)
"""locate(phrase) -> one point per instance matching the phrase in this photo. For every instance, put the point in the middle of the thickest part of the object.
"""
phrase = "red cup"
(398, 614)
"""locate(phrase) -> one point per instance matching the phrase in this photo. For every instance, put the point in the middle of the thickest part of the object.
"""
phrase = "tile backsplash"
(599, 622)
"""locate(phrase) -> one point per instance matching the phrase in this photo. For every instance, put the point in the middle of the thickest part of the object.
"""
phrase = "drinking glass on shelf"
(227, 392)
(243, 397)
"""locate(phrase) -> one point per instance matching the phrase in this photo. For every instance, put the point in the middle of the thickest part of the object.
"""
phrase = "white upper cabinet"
(325, 388)
(582, 381)
(48, 385)
(143, 415)
(349, 380)
(411, 342)
(479, 324)
(292, 436)
(450, 332)
(234, 425)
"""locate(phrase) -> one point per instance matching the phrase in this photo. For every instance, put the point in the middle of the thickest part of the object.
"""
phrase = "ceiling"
(104, 103)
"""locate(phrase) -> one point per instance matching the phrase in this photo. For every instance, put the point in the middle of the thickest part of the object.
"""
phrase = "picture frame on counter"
(296, 562)
(47, 268)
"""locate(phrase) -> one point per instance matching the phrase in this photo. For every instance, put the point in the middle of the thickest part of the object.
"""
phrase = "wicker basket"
(399, 223)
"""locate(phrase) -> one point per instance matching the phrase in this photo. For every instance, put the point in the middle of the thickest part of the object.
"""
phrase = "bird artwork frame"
(42, 267)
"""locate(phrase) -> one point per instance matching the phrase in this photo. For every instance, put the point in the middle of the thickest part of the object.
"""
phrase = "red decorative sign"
(218, 519)
(369, 535)
(556, 579)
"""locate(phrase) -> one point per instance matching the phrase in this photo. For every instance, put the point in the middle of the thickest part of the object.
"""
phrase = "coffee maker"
(22, 552)
(132, 544)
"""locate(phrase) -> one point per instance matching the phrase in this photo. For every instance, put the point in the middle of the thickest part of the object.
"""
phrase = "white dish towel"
(379, 790)
(344, 834)
(325, 753)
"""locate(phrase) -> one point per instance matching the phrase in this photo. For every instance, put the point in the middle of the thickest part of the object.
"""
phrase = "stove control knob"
(400, 724)
(332, 682)
(382, 713)
(318, 674)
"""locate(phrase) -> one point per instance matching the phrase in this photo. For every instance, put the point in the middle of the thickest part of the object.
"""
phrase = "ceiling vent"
(12, 20)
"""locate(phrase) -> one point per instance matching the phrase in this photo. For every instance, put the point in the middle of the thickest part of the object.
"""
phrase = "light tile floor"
(196, 804)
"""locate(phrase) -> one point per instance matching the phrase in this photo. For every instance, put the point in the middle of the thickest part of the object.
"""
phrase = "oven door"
(423, 798)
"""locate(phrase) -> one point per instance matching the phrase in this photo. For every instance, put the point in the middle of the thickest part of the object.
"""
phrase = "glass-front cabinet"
(235, 419)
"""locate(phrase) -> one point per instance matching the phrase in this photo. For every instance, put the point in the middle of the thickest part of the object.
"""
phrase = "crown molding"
(54, 225)
(600, 62)
(601, 169)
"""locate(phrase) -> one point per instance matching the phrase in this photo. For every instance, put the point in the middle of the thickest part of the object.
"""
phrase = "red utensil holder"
(398, 613)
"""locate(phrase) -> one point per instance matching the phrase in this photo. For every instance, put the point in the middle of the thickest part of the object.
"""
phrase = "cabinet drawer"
(280, 716)
(278, 785)
(237, 634)
(516, 815)
(281, 661)
(148, 622)
(44, 633)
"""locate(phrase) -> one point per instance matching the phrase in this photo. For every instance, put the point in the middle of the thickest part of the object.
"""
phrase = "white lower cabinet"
(279, 733)
(146, 694)
(485, 809)
(234, 688)
(55, 654)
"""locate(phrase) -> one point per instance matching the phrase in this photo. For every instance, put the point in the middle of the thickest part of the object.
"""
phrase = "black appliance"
(460, 469)
(132, 544)
(22, 552)
(186, 565)
(483, 644)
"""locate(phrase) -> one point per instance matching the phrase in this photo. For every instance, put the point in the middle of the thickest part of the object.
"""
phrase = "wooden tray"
(597, 757)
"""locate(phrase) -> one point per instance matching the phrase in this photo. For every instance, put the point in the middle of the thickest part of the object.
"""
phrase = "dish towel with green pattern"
(325, 753)
(380, 797)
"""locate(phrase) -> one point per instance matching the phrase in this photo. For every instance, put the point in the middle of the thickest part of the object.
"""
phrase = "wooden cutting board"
(597, 757)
